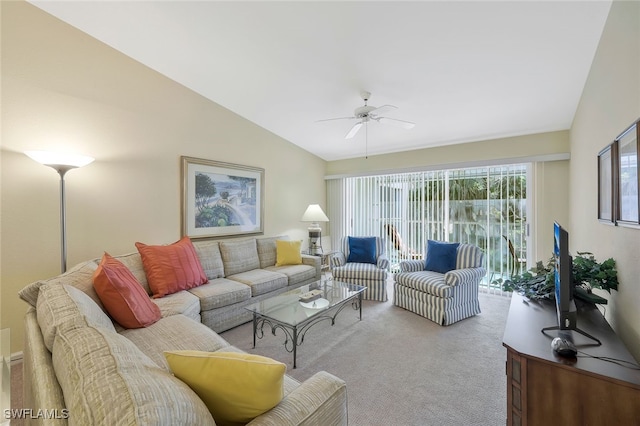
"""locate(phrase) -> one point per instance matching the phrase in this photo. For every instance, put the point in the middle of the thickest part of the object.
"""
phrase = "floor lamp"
(314, 214)
(61, 163)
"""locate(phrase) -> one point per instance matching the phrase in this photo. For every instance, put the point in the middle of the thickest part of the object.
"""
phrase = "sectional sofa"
(90, 369)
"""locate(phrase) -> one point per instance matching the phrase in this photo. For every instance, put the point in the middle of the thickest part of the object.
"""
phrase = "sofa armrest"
(40, 384)
(338, 259)
(383, 262)
(321, 399)
(411, 265)
(465, 275)
(315, 261)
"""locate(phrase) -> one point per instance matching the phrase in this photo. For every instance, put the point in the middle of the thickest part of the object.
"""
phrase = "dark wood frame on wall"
(606, 184)
(619, 173)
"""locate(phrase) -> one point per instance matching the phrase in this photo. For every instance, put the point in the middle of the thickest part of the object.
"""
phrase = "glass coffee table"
(294, 317)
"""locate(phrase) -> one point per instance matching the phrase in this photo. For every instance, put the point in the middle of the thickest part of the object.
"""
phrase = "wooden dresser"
(546, 389)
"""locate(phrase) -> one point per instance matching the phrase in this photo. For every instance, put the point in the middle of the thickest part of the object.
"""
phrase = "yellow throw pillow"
(236, 387)
(288, 253)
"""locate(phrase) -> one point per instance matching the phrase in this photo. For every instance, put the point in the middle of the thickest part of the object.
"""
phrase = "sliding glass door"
(485, 206)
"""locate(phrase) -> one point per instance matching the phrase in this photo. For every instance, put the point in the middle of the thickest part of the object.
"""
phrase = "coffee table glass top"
(288, 309)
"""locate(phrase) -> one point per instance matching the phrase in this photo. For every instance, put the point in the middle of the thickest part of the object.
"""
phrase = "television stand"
(576, 329)
(544, 388)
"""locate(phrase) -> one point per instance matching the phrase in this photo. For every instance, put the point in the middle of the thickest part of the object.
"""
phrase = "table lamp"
(314, 214)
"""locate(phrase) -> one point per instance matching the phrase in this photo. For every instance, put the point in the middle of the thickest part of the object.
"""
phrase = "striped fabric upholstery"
(374, 277)
(469, 256)
(426, 282)
(442, 298)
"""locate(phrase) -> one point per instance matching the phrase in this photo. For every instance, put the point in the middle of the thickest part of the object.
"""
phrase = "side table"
(325, 260)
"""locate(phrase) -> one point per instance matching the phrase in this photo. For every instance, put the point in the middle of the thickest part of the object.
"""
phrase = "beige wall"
(61, 89)
(512, 149)
(550, 203)
(610, 103)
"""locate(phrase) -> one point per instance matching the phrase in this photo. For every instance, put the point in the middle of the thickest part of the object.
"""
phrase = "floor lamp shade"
(315, 215)
(61, 163)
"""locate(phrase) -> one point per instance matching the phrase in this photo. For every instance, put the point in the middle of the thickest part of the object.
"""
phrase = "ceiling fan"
(366, 113)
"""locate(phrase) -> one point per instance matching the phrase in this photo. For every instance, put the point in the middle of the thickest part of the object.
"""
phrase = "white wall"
(61, 89)
(610, 103)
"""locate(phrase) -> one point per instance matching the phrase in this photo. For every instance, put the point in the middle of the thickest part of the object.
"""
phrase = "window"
(484, 206)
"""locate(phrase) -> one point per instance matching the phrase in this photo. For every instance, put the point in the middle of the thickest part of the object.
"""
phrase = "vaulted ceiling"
(462, 71)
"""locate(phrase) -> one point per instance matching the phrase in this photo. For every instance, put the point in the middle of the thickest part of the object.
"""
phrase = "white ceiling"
(462, 71)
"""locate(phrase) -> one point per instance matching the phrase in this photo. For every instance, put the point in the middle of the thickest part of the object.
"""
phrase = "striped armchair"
(442, 298)
(372, 276)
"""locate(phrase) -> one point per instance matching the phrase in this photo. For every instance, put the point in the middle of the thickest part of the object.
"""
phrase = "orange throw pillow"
(171, 268)
(122, 295)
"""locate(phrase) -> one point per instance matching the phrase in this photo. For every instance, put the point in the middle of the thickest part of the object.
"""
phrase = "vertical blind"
(484, 206)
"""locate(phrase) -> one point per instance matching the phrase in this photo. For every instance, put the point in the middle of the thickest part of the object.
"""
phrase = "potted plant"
(538, 282)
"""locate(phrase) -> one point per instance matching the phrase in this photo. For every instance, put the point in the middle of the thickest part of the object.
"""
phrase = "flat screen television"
(564, 285)
(565, 305)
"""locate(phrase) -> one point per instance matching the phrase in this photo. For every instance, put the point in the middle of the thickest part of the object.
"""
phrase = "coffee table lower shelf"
(295, 331)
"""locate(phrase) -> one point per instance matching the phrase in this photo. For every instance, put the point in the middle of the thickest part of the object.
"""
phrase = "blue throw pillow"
(441, 257)
(362, 250)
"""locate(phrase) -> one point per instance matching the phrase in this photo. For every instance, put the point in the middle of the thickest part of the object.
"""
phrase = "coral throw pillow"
(235, 387)
(122, 295)
(288, 253)
(171, 268)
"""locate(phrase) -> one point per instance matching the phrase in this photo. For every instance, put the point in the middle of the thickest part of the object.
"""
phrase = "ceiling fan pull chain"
(366, 140)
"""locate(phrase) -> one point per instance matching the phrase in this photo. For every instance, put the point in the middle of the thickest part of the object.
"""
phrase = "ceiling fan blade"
(397, 123)
(353, 130)
(339, 118)
(382, 110)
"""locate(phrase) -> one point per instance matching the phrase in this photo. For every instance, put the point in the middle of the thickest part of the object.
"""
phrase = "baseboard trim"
(16, 356)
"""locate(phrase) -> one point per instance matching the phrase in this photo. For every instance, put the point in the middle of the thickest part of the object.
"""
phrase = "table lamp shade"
(314, 214)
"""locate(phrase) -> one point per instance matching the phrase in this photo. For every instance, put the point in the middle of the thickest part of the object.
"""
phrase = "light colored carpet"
(402, 369)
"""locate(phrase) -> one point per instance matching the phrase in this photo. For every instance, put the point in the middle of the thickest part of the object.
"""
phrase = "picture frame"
(627, 203)
(606, 184)
(221, 199)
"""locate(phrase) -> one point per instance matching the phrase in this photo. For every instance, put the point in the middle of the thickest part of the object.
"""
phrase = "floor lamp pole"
(61, 163)
(63, 218)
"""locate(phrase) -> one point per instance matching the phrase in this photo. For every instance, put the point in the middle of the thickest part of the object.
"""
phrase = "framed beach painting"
(221, 199)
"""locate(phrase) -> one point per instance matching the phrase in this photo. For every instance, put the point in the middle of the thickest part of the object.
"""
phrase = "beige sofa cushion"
(181, 302)
(261, 281)
(267, 250)
(221, 292)
(296, 273)
(80, 276)
(107, 380)
(133, 261)
(210, 258)
(66, 306)
(169, 334)
(239, 256)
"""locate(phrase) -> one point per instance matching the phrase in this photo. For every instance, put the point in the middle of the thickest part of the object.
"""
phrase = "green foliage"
(538, 282)
(205, 189)
(599, 275)
(216, 216)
